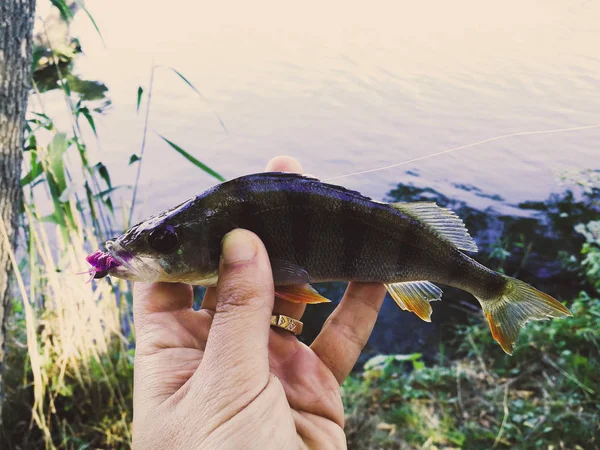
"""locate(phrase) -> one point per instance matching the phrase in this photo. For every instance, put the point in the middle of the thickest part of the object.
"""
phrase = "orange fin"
(415, 296)
(300, 293)
(517, 305)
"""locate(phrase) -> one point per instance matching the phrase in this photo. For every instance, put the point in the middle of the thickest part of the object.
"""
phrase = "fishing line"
(504, 136)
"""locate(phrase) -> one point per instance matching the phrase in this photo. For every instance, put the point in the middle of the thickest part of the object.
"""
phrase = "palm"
(177, 345)
(175, 341)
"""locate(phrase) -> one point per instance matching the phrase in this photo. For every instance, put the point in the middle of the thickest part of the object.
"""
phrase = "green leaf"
(381, 361)
(80, 3)
(36, 169)
(103, 172)
(188, 82)
(108, 191)
(30, 143)
(418, 365)
(56, 150)
(43, 116)
(109, 204)
(193, 160)
(86, 113)
(35, 172)
(409, 357)
(90, 198)
(64, 9)
(134, 158)
(64, 84)
(46, 123)
(139, 98)
(83, 155)
(376, 361)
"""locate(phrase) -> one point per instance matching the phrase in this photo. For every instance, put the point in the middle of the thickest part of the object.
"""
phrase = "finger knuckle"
(348, 332)
(237, 295)
(240, 291)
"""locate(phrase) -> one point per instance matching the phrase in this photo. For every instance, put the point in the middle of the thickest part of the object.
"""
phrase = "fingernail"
(238, 247)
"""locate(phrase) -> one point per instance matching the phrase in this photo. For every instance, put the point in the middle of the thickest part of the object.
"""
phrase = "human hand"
(220, 377)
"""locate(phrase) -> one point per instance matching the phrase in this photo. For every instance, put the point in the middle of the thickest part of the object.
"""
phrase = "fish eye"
(163, 239)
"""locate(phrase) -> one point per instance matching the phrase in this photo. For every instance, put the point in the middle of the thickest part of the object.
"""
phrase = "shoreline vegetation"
(71, 344)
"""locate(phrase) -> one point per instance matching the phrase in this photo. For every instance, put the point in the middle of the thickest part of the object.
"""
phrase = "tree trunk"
(16, 23)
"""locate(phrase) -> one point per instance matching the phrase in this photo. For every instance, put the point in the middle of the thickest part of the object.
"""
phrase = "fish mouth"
(131, 267)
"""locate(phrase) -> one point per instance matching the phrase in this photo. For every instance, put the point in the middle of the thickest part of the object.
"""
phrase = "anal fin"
(415, 296)
(300, 293)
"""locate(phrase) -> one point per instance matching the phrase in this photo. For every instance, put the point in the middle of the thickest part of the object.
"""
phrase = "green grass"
(545, 396)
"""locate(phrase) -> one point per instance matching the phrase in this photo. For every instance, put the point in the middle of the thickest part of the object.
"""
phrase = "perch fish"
(314, 232)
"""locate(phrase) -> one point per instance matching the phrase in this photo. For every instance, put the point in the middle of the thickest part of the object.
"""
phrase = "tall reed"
(76, 349)
(79, 345)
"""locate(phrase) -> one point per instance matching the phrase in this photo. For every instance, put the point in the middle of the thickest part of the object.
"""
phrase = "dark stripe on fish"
(263, 223)
(300, 221)
(354, 233)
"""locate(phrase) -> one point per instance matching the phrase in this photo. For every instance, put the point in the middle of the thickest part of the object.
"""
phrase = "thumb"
(239, 335)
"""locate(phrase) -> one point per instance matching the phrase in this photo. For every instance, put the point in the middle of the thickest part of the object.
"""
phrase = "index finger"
(283, 164)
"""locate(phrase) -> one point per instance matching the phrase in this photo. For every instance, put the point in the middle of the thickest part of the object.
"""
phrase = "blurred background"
(137, 106)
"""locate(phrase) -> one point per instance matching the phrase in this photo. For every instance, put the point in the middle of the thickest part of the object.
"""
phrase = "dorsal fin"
(444, 222)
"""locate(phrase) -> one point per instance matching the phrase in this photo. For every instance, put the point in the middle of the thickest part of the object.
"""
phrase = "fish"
(316, 232)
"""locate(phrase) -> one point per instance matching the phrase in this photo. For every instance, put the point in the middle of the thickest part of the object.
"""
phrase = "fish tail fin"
(517, 305)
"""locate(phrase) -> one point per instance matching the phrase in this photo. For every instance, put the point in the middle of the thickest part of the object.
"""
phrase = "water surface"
(346, 87)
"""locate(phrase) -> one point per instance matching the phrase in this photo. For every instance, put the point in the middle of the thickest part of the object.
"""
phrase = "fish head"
(163, 249)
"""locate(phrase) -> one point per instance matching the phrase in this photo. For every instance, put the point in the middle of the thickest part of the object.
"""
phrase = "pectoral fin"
(415, 296)
(301, 293)
(287, 273)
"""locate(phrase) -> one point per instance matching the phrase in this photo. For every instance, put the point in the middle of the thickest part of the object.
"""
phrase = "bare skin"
(221, 377)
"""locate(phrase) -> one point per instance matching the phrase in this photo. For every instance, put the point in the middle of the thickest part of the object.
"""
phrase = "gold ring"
(287, 323)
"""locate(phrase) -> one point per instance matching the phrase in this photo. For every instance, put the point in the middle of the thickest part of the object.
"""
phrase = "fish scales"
(370, 237)
(376, 242)
(315, 232)
(296, 217)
